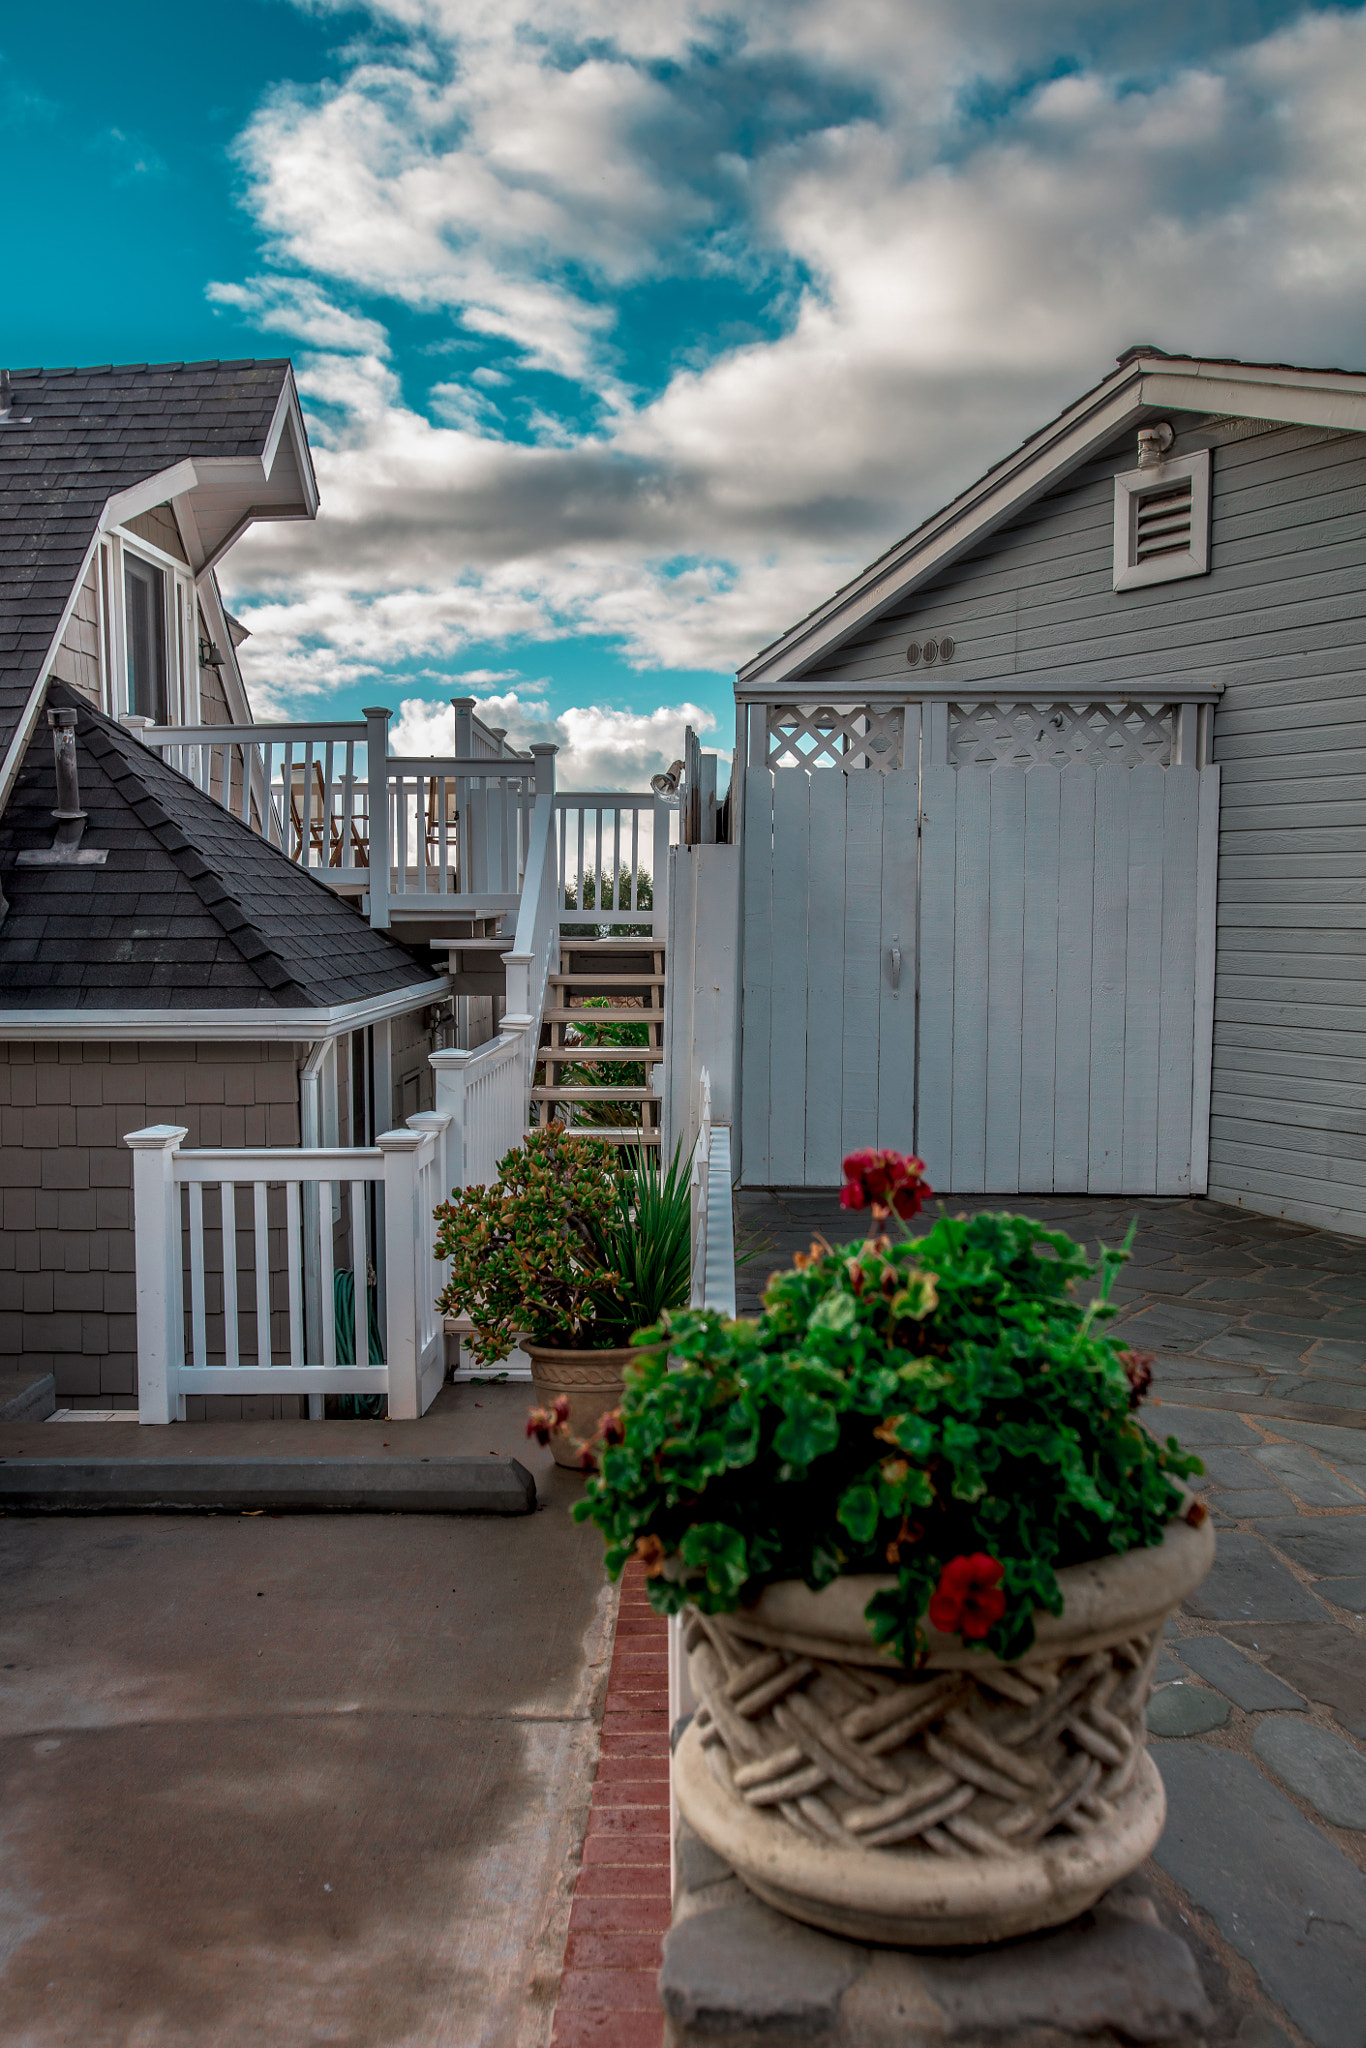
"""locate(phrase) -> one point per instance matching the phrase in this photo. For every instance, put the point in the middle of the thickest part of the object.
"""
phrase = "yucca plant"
(646, 1243)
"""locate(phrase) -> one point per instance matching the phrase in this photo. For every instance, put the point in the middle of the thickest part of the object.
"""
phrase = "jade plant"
(944, 1411)
(573, 1246)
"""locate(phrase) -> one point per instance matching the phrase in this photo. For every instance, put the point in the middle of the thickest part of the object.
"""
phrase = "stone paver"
(1258, 1720)
(1182, 1709)
(1237, 1677)
(1318, 1765)
(1279, 1892)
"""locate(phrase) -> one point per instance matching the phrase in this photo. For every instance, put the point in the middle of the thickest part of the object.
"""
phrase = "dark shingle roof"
(95, 432)
(191, 911)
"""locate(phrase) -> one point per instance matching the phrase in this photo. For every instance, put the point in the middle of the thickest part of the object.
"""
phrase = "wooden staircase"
(607, 990)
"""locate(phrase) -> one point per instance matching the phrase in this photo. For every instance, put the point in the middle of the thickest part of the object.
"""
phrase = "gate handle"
(895, 957)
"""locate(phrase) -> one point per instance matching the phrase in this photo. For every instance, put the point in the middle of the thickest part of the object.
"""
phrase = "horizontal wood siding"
(1280, 622)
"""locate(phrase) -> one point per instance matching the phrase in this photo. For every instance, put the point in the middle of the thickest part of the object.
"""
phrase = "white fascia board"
(928, 552)
(1332, 399)
(28, 717)
(176, 482)
(1030, 690)
(179, 1026)
(1293, 404)
(289, 414)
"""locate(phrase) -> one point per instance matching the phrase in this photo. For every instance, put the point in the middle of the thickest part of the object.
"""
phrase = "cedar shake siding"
(67, 1301)
(1280, 622)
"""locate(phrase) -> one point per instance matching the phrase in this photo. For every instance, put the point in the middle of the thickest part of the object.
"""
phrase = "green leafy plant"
(646, 1243)
(945, 1411)
(526, 1252)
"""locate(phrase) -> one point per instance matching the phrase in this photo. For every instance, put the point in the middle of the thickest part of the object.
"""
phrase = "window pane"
(145, 600)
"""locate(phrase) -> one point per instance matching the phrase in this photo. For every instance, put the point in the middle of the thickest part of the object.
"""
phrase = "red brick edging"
(608, 1994)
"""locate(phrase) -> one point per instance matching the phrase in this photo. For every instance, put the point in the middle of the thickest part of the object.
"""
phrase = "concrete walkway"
(276, 1780)
(1259, 1719)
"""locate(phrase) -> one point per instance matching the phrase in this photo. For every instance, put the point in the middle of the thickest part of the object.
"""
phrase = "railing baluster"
(227, 1193)
(262, 1252)
(327, 1283)
(198, 1319)
(294, 1262)
(306, 811)
(361, 1304)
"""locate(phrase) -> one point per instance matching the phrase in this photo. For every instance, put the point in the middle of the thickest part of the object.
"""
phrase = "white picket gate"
(236, 1294)
(999, 955)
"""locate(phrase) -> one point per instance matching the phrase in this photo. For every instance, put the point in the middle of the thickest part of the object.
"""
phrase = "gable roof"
(81, 450)
(1145, 381)
(192, 910)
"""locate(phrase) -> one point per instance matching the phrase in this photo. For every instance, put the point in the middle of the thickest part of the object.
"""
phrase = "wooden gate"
(1021, 990)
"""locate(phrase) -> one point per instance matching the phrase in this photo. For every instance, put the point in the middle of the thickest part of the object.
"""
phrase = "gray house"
(1084, 909)
(160, 960)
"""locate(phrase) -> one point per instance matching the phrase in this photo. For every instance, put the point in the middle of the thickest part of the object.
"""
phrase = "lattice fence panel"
(835, 736)
(1089, 735)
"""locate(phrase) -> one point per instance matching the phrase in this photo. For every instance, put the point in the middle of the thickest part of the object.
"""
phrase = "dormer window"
(144, 596)
(1162, 517)
(149, 631)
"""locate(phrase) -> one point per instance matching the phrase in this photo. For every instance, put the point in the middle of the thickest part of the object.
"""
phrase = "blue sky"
(628, 331)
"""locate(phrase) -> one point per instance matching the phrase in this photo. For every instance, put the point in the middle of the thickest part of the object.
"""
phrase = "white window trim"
(182, 627)
(1131, 488)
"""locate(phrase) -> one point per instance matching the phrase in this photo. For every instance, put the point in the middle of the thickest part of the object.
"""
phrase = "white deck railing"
(713, 1222)
(612, 851)
(237, 1293)
(450, 826)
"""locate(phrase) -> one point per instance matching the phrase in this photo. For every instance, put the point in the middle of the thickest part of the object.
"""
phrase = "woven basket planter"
(965, 1802)
(592, 1383)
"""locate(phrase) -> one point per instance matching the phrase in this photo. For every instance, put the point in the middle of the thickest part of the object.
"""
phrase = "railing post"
(402, 1350)
(544, 755)
(517, 1016)
(156, 1239)
(463, 707)
(449, 1066)
(377, 781)
(443, 1123)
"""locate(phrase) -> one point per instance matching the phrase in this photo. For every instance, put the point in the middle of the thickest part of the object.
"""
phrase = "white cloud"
(599, 748)
(944, 284)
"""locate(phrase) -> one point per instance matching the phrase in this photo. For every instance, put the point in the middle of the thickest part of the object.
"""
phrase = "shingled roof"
(76, 437)
(192, 910)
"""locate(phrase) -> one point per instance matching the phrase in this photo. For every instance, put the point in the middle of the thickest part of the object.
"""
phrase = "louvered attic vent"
(1162, 521)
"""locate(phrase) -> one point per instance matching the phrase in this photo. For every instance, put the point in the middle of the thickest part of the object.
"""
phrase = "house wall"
(1280, 622)
(67, 1299)
(413, 1080)
(77, 660)
(159, 527)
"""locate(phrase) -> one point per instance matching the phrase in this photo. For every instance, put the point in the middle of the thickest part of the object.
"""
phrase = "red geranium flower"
(884, 1181)
(968, 1600)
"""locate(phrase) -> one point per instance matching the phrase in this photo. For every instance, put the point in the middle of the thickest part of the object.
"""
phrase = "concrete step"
(27, 1396)
(405, 1485)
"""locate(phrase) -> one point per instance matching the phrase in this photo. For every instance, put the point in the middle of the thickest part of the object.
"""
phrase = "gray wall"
(1280, 622)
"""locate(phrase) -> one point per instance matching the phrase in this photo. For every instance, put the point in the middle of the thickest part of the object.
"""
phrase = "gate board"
(1056, 935)
(828, 1044)
(1061, 1013)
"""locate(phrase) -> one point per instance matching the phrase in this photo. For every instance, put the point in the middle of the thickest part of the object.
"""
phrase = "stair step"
(588, 977)
(610, 1134)
(572, 1092)
(586, 1055)
(612, 1014)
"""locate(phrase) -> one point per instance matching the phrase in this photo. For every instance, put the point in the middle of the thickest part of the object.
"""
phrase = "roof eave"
(1140, 385)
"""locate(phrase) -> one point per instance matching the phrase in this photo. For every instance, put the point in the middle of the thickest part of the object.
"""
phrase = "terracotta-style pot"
(963, 1802)
(591, 1380)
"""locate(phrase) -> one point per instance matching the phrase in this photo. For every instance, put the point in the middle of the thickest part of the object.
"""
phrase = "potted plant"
(569, 1251)
(924, 1551)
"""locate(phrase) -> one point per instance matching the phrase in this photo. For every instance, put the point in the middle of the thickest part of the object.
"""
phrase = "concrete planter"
(968, 1801)
(592, 1382)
